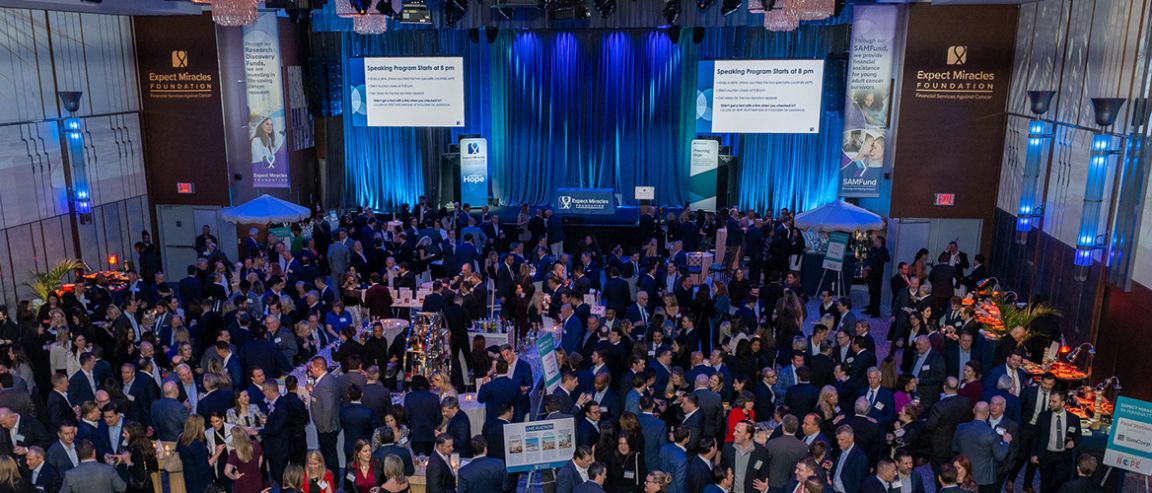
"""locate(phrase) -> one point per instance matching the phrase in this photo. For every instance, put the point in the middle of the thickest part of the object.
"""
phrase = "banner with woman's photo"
(265, 90)
(867, 109)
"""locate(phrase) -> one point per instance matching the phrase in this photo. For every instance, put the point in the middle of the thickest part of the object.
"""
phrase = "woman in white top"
(58, 351)
(245, 413)
(218, 439)
(72, 359)
(264, 143)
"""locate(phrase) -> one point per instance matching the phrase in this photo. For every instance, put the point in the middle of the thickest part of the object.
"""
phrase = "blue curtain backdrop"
(594, 108)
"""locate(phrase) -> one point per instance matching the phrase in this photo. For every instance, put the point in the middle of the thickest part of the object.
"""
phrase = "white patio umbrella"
(265, 209)
(839, 216)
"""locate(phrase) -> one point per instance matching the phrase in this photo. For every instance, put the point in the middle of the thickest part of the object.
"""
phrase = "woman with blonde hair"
(293, 476)
(244, 463)
(10, 479)
(828, 406)
(396, 481)
(317, 477)
(194, 454)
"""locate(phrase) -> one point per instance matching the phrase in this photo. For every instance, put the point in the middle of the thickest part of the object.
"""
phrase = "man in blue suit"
(356, 420)
(722, 479)
(141, 393)
(484, 474)
(494, 431)
(498, 391)
(277, 432)
(655, 432)
(388, 447)
(573, 330)
(573, 472)
(424, 415)
(674, 460)
(521, 374)
(617, 295)
(638, 312)
(40, 475)
(459, 428)
(700, 467)
(851, 466)
(881, 404)
(169, 414)
(83, 384)
(215, 400)
(1011, 367)
(910, 480)
(882, 481)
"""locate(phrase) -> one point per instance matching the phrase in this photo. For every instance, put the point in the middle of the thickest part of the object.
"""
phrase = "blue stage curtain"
(797, 171)
(384, 167)
(587, 109)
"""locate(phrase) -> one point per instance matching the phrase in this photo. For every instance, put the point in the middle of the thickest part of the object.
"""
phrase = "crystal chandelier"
(811, 10)
(234, 12)
(371, 23)
(781, 18)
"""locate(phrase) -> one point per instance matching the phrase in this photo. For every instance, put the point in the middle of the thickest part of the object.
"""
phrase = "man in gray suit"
(325, 409)
(983, 446)
(784, 452)
(339, 256)
(91, 476)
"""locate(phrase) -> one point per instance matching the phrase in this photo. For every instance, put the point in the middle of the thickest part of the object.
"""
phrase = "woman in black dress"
(140, 459)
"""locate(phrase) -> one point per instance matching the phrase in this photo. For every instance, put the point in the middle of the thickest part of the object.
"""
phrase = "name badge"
(837, 409)
(19, 438)
(849, 360)
(351, 477)
(1071, 429)
(130, 397)
(925, 368)
(879, 406)
(276, 340)
(629, 475)
(758, 464)
(896, 484)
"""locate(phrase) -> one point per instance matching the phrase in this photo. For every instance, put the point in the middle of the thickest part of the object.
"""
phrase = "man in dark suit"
(41, 475)
(674, 460)
(756, 468)
(983, 446)
(521, 374)
(700, 466)
(588, 424)
(802, 397)
(60, 409)
(851, 465)
(1032, 404)
(388, 447)
(882, 481)
(17, 433)
(863, 360)
(764, 393)
(493, 431)
(439, 473)
(572, 473)
(881, 402)
(847, 318)
(617, 294)
(900, 280)
(84, 384)
(910, 480)
(810, 428)
(141, 391)
(459, 428)
(979, 273)
(356, 420)
(190, 288)
(712, 408)
(655, 432)
(62, 454)
(424, 415)
(943, 418)
(1011, 367)
(1058, 433)
(498, 390)
(1002, 425)
(959, 352)
(638, 312)
(866, 433)
(1085, 468)
(277, 437)
(215, 400)
(169, 414)
(929, 370)
(783, 453)
(484, 474)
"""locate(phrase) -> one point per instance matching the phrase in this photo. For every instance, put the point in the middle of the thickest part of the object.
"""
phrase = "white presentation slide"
(414, 92)
(767, 96)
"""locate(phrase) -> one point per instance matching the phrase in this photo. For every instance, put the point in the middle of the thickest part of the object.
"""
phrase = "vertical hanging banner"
(265, 90)
(867, 109)
(474, 171)
(703, 173)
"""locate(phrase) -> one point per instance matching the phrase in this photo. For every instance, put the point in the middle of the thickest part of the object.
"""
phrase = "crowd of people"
(686, 383)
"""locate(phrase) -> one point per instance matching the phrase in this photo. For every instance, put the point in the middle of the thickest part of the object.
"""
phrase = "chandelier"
(811, 10)
(371, 23)
(781, 18)
(234, 12)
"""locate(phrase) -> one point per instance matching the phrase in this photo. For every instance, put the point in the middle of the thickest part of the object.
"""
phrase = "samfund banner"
(265, 89)
(867, 109)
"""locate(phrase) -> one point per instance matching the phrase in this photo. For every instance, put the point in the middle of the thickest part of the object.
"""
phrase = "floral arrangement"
(999, 315)
(45, 283)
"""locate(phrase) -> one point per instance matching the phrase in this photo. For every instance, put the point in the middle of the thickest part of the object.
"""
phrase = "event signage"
(955, 79)
(265, 90)
(837, 246)
(867, 109)
(536, 445)
(759, 96)
(546, 348)
(703, 171)
(474, 171)
(1130, 441)
(585, 201)
(407, 91)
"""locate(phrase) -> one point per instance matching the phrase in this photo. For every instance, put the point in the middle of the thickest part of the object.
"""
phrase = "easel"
(837, 281)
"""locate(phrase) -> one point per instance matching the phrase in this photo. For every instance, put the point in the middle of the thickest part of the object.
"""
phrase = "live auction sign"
(1130, 442)
(537, 445)
(585, 201)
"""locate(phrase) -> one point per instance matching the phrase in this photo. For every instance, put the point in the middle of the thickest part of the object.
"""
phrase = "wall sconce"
(1040, 134)
(1099, 157)
(73, 129)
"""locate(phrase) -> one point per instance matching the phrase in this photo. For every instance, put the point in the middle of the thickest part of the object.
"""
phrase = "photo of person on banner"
(265, 141)
(873, 106)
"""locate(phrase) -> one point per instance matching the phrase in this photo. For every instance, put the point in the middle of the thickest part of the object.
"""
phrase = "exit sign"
(185, 187)
(946, 199)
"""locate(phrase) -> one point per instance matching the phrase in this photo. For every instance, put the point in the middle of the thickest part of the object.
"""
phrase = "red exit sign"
(185, 187)
(946, 199)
